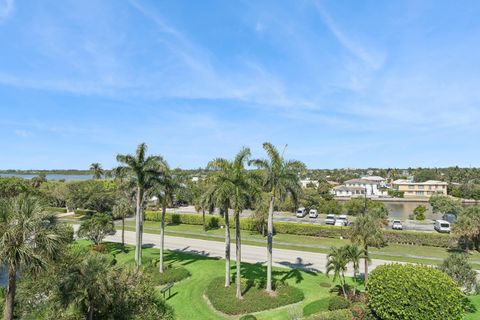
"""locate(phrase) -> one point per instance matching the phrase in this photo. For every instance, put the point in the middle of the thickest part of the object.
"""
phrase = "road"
(252, 254)
(408, 225)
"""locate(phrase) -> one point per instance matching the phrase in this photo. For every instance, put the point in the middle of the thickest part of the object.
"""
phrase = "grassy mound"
(254, 297)
(316, 307)
(170, 274)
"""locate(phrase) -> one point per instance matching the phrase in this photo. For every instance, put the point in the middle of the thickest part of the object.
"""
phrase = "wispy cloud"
(371, 57)
(7, 7)
(22, 133)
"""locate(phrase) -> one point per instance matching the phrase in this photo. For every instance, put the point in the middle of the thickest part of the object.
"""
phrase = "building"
(371, 186)
(308, 182)
(344, 191)
(420, 189)
(380, 181)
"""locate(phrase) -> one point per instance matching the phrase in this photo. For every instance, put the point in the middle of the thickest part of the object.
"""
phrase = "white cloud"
(22, 133)
(6, 9)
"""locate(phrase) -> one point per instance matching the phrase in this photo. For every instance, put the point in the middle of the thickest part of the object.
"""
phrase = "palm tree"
(367, 231)
(280, 179)
(29, 238)
(166, 192)
(121, 210)
(337, 263)
(144, 172)
(354, 254)
(235, 186)
(97, 170)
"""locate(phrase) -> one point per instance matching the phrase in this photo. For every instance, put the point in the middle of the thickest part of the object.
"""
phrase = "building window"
(411, 187)
(419, 193)
(420, 187)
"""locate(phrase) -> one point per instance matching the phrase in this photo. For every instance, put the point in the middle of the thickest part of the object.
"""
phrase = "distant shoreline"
(67, 172)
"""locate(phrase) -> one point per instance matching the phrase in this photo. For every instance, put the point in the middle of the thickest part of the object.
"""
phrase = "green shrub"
(359, 311)
(343, 314)
(338, 303)
(56, 210)
(316, 307)
(170, 274)
(84, 212)
(254, 299)
(413, 292)
(248, 317)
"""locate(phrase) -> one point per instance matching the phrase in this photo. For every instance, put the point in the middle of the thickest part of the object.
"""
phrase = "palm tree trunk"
(343, 283)
(239, 254)
(203, 220)
(123, 231)
(138, 229)
(227, 250)
(90, 313)
(162, 234)
(10, 293)
(270, 243)
(365, 247)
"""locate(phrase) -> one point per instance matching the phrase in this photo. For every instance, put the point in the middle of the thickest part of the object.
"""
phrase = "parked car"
(442, 226)
(301, 212)
(397, 225)
(341, 221)
(330, 219)
(313, 213)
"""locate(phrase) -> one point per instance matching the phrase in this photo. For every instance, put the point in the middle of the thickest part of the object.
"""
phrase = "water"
(401, 210)
(65, 177)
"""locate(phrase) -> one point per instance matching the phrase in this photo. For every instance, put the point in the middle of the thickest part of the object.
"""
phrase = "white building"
(370, 186)
(305, 183)
(344, 191)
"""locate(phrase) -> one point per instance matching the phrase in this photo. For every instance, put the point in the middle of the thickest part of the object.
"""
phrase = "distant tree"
(280, 179)
(97, 170)
(331, 207)
(467, 227)
(96, 228)
(12, 186)
(419, 212)
(122, 210)
(422, 175)
(443, 204)
(38, 180)
(457, 266)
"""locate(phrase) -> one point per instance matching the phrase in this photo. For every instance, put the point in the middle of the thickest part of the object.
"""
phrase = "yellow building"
(420, 189)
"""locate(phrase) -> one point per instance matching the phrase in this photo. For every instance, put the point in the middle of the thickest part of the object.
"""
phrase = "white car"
(313, 213)
(442, 226)
(341, 221)
(301, 212)
(330, 219)
(397, 225)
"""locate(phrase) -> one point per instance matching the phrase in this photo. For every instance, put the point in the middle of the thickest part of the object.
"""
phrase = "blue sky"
(343, 83)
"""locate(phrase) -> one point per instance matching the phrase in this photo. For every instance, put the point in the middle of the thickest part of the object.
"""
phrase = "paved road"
(252, 254)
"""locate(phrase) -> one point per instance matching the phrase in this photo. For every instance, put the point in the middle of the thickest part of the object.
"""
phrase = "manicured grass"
(393, 252)
(255, 298)
(170, 274)
(316, 307)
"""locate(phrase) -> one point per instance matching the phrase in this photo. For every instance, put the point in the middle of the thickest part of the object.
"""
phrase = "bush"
(413, 292)
(254, 299)
(248, 317)
(338, 303)
(56, 210)
(170, 274)
(316, 307)
(343, 314)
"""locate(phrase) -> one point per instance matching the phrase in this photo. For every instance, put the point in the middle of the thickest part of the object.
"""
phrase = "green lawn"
(394, 252)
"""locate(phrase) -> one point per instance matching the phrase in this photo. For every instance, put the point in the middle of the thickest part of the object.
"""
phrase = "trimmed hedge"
(338, 303)
(56, 209)
(412, 292)
(254, 299)
(314, 230)
(84, 212)
(343, 314)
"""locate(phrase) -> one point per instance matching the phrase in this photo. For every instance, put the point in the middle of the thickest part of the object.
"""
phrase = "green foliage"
(443, 204)
(98, 195)
(311, 199)
(457, 266)
(396, 193)
(331, 207)
(96, 228)
(170, 274)
(467, 228)
(337, 303)
(316, 307)
(412, 292)
(356, 206)
(248, 317)
(419, 212)
(254, 299)
(343, 314)
(84, 212)
(56, 210)
(13, 186)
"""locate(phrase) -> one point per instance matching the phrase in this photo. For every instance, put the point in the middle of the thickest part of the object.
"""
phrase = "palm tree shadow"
(186, 257)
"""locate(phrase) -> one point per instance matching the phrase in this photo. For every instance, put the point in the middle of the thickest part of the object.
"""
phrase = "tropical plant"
(143, 172)
(235, 186)
(419, 212)
(29, 238)
(96, 228)
(122, 210)
(367, 231)
(38, 180)
(280, 178)
(337, 261)
(97, 170)
(457, 266)
(467, 227)
(354, 254)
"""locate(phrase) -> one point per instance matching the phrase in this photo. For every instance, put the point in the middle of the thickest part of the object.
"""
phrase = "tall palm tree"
(97, 170)
(235, 186)
(143, 172)
(354, 254)
(280, 179)
(166, 188)
(29, 238)
(337, 263)
(121, 210)
(367, 231)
